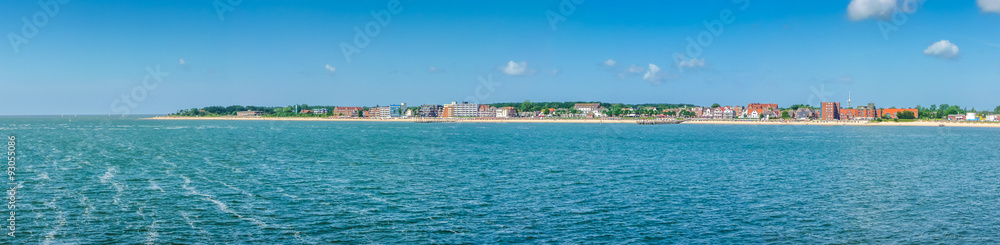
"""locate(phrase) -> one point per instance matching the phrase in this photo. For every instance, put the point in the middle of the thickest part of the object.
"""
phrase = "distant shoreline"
(632, 121)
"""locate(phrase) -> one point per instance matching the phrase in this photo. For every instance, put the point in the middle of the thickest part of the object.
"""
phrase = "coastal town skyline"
(571, 111)
(191, 54)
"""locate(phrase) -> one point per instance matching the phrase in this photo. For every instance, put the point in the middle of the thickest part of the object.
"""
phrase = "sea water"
(97, 180)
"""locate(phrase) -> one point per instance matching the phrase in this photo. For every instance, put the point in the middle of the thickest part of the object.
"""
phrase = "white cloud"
(864, 9)
(555, 72)
(631, 70)
(182, 62)
(692, 63)
(433, 69)
(516, 69)
(989, 5)
(844, 79)
(651, 74)
(942, 49)
(331, 69)
(610, 62)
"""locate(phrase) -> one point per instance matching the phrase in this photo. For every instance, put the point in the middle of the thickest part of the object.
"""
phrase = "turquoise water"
(93, 180)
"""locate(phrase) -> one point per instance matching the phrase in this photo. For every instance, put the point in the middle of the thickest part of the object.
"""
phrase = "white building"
(466, 109)
(506, 112)
(728, 113)
(384, 112)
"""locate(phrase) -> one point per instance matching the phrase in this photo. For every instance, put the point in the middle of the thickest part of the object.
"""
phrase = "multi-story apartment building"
(346, 111)
(865, 112)
(397, 110)
(383, 112)
(466, 109)
(487, 111)
(448, 110)
(431, 110)
(587, 108)
(830, 111)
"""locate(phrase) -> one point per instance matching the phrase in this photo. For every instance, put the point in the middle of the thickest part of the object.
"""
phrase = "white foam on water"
(222, 206)
(50, 236)
(234, 169)
(166, 162)
(244, 192)
(187, 219)
(154, 186)
(42, 176)
(109, 174)
(88, 207)
(108, 178)
(282, 191)
(152, 234)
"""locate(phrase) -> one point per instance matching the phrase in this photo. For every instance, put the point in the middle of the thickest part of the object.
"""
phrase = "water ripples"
(151, 182)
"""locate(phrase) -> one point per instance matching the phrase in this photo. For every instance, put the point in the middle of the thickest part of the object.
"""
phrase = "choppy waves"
(154, 182)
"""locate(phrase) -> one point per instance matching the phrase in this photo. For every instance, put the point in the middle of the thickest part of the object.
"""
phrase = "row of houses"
(466, 109)
(400, 110)
(752, 111)
(972, 116)
(832, 111)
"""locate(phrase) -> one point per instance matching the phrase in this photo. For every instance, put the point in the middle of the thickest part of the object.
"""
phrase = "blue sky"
(88, 54)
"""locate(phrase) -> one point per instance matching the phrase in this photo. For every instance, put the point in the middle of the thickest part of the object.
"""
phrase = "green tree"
(715, 105)
(526, 106)
(905, 115)
(784, 115)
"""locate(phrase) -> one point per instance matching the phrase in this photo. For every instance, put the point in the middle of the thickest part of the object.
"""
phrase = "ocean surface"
(94, 180)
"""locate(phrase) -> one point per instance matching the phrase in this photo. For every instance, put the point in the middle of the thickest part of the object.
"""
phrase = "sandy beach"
(719, 122)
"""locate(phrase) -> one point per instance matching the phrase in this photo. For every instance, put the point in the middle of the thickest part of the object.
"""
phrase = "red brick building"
(346, 111)
(830, 111)
(892, 112)
(756, 106)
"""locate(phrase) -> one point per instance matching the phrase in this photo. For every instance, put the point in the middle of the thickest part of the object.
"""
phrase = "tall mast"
(849, 100)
